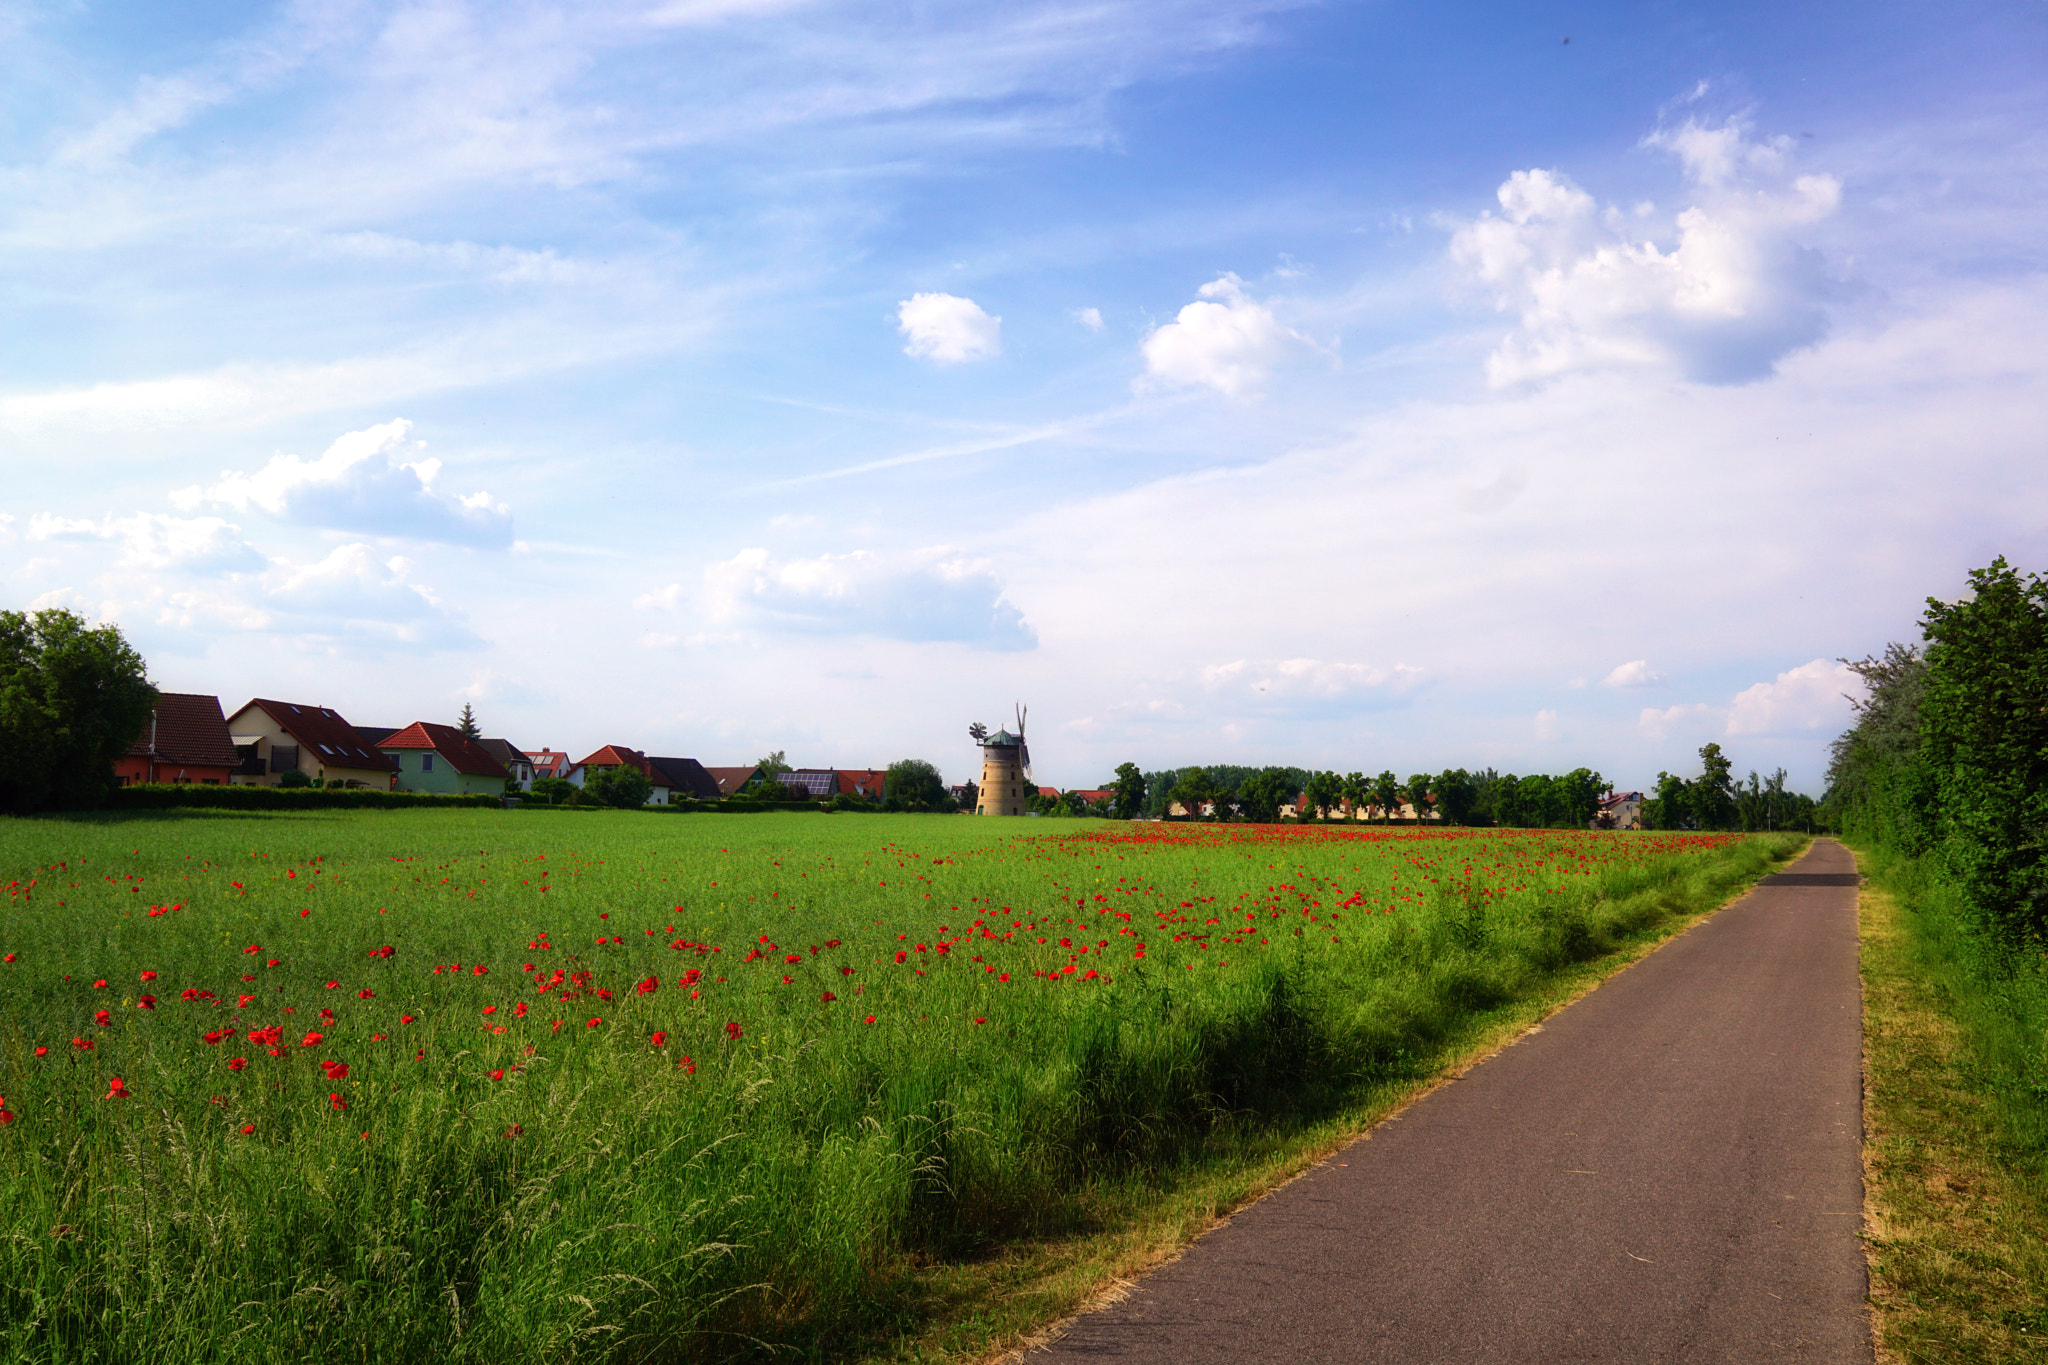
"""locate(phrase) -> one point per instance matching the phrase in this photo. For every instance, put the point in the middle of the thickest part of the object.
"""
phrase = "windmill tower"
(1005, 770)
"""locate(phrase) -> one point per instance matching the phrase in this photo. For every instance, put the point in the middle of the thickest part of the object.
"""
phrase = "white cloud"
(1225, 340)
(363, 483)
(1300, 682)
(1547, 727)
(1634, 673)
(1727, 297)
(1091, 318)
(150, 540)
(937, 594)
(1813, 696)
(947, 329)
(1659, 724)
(660, 599)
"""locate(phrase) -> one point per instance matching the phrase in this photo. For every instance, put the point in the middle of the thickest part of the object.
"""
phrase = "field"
(553, 1085)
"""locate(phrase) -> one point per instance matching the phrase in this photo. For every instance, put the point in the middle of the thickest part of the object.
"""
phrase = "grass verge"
(1956, 1203)
(991, 1312)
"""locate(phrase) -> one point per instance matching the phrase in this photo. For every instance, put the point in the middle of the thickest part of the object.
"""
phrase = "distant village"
(189, 738)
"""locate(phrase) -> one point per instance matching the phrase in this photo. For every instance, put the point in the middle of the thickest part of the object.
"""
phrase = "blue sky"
(1348, 385)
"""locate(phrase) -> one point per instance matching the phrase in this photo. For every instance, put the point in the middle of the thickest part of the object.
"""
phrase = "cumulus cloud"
(947, 329)
(1727, 294)
(1225, 339)
(1306, 682)
(364, 483)
(938, 594)
(1634, 673)
(1091, 318)
(150, 540)
(660, 599)
(1659, 724)
(1810, 697)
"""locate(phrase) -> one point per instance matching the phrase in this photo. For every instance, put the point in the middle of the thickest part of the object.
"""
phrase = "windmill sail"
(1023, 749)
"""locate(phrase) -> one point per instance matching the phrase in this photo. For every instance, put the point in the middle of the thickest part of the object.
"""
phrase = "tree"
(72, 700)
(1579, 790)
(1357, 787)
(467, 723)
(1456, 796)
(621, 785)
(1417, 792)
(556, 791)
(1195, 790)
(1671, 808)
(1713, 793)
(1262, 794)
(1130, 791)
(1386, 790)
(915, 785)
(1323, 791)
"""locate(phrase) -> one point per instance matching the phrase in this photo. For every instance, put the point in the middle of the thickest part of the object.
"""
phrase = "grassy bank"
(632, 1089)
(1956, 1128)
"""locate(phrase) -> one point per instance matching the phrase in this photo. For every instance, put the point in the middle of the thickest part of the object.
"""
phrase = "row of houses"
(190, 739)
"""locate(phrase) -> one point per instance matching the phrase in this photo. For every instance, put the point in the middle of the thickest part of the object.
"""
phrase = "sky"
(1355, 386)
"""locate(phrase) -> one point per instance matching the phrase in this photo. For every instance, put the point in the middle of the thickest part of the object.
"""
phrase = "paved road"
(1668, 1171)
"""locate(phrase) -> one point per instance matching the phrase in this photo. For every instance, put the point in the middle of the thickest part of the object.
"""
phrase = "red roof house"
(184, 740)
(440, 758)
(276, 737)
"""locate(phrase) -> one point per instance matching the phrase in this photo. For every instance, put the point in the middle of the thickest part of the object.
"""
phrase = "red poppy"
(366, 995)
(237, 1063)
(593, 1023)
(687, 1067)
(243, 1002)
(870, 1019)
(499, 1074)
(335, 1101)
(649, 986)
(149, 976)
(479, 969)
(405, 1018)
(490, 1009)
(732, 1031)
(82, 1044)
(42, 1052)
(10, 958)
(336, 1071)
(248, 1128)
(333, 985)
(659, 1038)
(100, 984)
(103, 1018)
(310, 1040)
(147, 1002)
(5, 1115)
(117, 1089)
(827, 998)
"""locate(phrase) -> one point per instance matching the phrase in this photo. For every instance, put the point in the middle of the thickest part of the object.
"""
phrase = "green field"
(619, 1086)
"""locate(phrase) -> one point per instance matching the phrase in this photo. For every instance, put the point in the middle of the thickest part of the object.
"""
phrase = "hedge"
(148, 796)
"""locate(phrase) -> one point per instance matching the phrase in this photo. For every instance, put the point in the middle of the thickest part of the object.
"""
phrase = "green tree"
(1984, 744)
(1457, 796)
(72, 700)
(1579, 790)
(1195, 790)
(915, 785)
(1386, 792)
(621, 785)
(1671, 807)
(1323, 791)
(555, 791)
(1416, 792)
(1357, 788)
(1262, 794)
(1713, 792)
(1130, 791)
(467, 723)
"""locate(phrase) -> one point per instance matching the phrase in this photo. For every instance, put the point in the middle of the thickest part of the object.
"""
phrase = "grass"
(1954, 1149)
(631, 1088)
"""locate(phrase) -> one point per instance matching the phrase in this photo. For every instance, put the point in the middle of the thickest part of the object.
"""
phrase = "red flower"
(902, 957)
(149, 976)
(490, 1009)
(310, 1040)
(147, 1002)
(794, 957)
(82, 1044)
(103, 1018)
(336, 1071)
(405, 1018)
(649, 986)
(332, 985)
(870, 1019)
(846, 971)
(10, 958)
(117, 1089)
(520, 1009)
(248, 1128)
(981, 1021)
(499, 1074)
(42, 1052)
(479, 969)
(827, 998)
(243, 1002)
(732, 1031)
(593, 1023)
(100, 985)
(335, 1101)
(687, 1067)
(659, 1038)
(5, 1115)
(366, 995)
(237, 1063)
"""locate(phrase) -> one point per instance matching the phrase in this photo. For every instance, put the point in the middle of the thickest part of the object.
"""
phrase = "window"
(426, 763)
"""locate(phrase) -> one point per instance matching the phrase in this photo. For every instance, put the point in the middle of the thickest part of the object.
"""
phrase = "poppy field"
(616, 1086)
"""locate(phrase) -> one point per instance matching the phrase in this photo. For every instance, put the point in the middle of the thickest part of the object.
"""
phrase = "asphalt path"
(1668, 1170)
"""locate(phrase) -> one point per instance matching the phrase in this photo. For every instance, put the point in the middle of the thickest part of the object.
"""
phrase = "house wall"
(136, 768)
(413, 776)
(254, 720)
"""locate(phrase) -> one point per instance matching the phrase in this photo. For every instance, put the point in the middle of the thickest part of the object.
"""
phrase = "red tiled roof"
(186, 728)
(730, 780)
(615, 756)
(332, 740)
(464, 755)
(862, 781)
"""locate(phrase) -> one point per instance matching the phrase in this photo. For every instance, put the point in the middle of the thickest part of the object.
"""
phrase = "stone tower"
(1005, 770)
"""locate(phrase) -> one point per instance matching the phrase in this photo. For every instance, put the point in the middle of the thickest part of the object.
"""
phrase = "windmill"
(1023, 748)
(1005, 769)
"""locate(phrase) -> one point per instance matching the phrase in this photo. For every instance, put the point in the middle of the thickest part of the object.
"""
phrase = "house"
(730, 780)
(184, 740)
(1049, 793)
(1619, 810)
(277, 737)
(870, 784)
(619, 756)
(548, 763)
(820, 784)
(518, 767)
(687, 778)
(440, 758)
(1091, 797)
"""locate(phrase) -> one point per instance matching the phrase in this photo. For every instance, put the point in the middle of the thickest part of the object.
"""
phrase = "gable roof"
(186, 728)
(465, 755)
(862, 781)
(548, 762)
(730, 780)
(333, 740)
(615, 756)
(810, 781)
(503, 752)
(687, 775)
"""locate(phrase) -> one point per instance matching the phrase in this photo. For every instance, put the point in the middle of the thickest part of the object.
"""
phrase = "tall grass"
(606, 1199)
